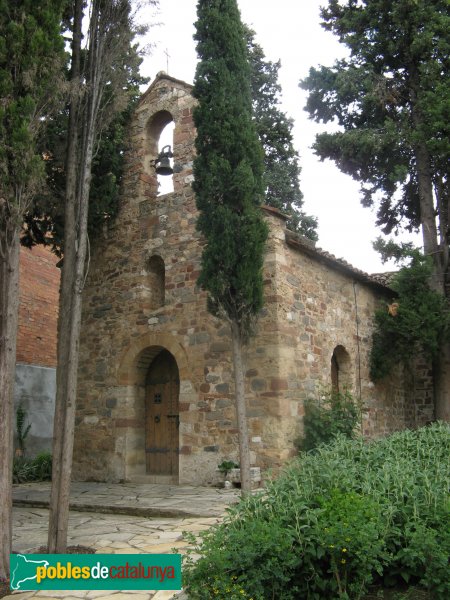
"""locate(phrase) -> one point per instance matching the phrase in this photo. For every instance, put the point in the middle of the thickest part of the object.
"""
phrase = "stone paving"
(139, 499)
(115, 531)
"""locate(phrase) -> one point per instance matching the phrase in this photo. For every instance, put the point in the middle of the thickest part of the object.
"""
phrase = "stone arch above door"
(139, 354)
(133, 380)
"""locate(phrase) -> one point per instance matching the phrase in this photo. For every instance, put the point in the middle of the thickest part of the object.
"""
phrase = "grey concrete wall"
(35, 389)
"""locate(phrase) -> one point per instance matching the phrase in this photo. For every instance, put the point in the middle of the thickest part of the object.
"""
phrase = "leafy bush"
(351, 514)
(226, 466)
(420, 321)
(43, 466)
(23, 469)
(333, 414)
(32, 469)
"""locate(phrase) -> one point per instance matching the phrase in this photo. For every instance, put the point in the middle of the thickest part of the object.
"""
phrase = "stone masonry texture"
(314, 305)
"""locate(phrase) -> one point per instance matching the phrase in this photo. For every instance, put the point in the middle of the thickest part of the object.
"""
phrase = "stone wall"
(319, 305)
(141, 297)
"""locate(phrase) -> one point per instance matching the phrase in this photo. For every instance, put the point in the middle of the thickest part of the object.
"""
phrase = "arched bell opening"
(159, 156)
(164, 167)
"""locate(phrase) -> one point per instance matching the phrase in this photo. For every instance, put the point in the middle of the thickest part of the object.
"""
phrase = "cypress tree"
(228, 172)
(274, 129)
(390, 99)
(31, 62)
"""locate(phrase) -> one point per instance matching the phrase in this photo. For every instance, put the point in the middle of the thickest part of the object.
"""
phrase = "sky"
(288, 30)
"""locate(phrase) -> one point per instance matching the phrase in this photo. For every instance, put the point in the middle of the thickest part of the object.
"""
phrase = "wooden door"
(162, 416)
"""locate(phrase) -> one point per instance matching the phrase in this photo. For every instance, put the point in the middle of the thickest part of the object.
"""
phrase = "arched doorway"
(162, 387)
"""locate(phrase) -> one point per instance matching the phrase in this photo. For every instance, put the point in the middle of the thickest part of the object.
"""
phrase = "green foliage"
(228, 167)
(352, 542)
(23, 469)
(389, 97)
(389, 249)
(421, 322)
(21, 429)
(32, 469)
(334, 413)
(226, 465)
(43, 466)
(351, 514)
(45, 220)
(31, 58)
(274, 128)
(266, 563)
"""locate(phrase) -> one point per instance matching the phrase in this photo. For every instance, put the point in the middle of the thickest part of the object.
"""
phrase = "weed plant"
(22, 429)
(348, 516)
(32, 469)
(333, 413)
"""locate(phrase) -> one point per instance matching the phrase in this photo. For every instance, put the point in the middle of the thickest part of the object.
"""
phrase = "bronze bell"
(162, 163)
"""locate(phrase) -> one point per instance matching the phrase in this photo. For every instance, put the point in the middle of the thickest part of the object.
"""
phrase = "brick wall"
(38, 310)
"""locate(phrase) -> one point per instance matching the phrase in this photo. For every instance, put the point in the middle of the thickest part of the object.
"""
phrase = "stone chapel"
(156, 399)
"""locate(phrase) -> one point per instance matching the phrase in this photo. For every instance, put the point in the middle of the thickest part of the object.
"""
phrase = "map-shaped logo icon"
(24, 570)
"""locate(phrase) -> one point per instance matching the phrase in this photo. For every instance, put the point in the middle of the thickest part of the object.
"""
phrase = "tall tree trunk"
(241, 410)
(82, 133)
(63, 351)
(428, 214)
(425, 185)
(441, 364)
(9, 309)
(68, 355)
(441, 380)
(65, 399)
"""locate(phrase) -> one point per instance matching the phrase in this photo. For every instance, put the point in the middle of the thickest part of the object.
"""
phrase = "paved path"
(112, 530)
(139, 499)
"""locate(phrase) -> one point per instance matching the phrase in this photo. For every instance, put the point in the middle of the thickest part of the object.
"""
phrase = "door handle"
(157, 418)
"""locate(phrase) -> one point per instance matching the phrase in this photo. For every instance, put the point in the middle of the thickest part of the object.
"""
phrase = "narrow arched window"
(334, 373)
(341, 378)
(156, 281)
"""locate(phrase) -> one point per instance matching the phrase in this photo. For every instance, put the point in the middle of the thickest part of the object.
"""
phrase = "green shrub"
(43, 466)
(23, 469)
(226, 466)
(351, 514)
(266, 562)
(32, 469)
(333, 414)
(352, 541)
